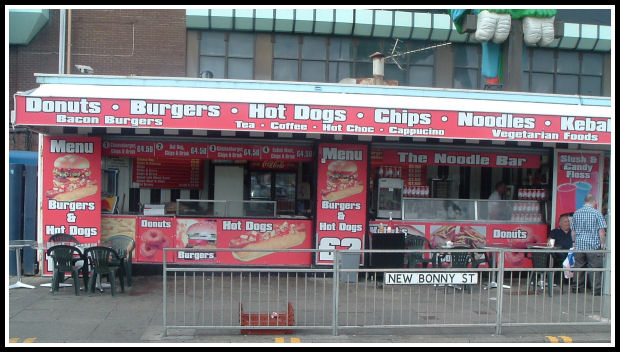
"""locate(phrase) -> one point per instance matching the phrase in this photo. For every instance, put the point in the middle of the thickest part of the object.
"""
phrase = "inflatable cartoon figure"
(493, 27)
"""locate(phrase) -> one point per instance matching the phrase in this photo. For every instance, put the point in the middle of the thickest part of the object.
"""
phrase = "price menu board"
(129, 149)
(167, 173)
(415, 175)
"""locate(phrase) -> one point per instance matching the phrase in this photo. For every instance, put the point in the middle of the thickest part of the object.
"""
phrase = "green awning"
(25, 24)
(373, 23)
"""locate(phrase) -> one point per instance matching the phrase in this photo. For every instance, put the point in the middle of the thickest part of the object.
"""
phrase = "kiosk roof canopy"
(175, 88)
(312, 108)
(170, 82)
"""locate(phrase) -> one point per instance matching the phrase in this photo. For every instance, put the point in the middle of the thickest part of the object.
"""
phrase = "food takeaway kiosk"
(224, 163)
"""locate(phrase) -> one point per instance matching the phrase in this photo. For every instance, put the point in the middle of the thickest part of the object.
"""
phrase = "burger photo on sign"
(202, 234)
(342, 181)
(72, 179)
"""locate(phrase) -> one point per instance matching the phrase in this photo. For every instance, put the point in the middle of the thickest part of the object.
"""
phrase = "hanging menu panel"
(167, 173)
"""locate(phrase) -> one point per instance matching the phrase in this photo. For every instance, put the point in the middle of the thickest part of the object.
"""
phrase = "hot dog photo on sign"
(342, 180)
(277, 236)
(242, 235)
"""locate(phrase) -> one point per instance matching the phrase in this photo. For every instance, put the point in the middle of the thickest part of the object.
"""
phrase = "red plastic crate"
(261, 319)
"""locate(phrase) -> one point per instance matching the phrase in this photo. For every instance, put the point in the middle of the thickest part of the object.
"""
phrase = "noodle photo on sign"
(459, 235)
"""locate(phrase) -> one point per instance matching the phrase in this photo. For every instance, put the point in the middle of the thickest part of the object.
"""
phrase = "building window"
(421, 72)
(227, 55)
(562, 72)
(591, 82)
(331, 59)
(302, 58)
(363, 49)
(285, 58)
(340, 65)
(467, 66)
(313, 59)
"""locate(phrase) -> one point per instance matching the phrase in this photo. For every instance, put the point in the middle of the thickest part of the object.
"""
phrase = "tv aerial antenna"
(399, 47)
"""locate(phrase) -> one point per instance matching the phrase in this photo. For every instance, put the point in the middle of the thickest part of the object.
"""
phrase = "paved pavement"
(36, 316)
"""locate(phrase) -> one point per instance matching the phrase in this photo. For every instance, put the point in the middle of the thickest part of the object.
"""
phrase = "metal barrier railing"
(549, 298)
(341, 297)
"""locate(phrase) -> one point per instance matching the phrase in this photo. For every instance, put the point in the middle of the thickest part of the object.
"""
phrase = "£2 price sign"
(341, 210)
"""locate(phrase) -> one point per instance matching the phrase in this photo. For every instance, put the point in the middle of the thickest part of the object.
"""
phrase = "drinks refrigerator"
(389, 198)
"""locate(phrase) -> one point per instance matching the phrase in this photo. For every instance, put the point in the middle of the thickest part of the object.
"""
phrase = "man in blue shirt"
(588, 230)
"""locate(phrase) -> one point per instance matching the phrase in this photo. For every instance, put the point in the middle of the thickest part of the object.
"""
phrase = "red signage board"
(454, 158)
(167, 173)
(273, 165)
(126, 149)
(577, 175)
(341, 198)
(153, 234)
(71, 188)
(206, 233)
(517, 236)
(298, 118)
(207, 151)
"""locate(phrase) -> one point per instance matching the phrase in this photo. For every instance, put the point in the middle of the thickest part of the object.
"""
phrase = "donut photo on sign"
(153, 241)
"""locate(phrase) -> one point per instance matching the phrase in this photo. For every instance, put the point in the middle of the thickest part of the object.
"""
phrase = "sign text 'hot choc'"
(404, 121)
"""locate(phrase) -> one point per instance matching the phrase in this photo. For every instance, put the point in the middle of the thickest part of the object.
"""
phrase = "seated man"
(563, 239)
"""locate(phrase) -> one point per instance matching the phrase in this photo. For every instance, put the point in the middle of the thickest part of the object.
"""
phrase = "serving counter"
(226, 208)
(514, 224)
(209, 225)
(476, 210)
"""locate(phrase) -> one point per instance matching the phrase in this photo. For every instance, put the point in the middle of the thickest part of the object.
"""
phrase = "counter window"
(440, 185)
(253, 180)
(275, 186)
(439, 209)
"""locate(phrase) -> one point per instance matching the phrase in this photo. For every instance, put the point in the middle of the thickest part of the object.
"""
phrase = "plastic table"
(17, 245)
(493, 282)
